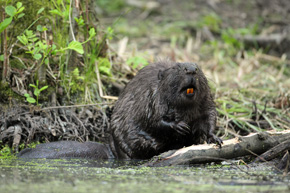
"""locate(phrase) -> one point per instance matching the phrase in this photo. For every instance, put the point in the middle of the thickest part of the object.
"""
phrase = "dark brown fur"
(154, 114)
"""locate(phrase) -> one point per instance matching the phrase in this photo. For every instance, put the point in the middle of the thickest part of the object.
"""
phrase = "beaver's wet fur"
(155, 113)
(166, 106)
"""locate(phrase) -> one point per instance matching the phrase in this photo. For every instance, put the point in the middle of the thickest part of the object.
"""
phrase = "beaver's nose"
(190, 69)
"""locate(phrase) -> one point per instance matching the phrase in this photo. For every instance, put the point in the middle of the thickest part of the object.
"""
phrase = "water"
(112, 176)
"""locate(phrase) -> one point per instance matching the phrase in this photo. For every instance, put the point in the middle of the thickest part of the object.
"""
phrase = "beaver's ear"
(160, 74)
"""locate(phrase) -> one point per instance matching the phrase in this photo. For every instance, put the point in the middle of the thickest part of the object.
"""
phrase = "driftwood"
(253, 144)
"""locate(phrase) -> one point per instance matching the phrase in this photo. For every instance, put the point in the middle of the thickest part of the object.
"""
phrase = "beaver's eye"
(178, 66)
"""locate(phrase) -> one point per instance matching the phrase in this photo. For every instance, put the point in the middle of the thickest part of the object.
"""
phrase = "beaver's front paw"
(214, 139)
(182, 128)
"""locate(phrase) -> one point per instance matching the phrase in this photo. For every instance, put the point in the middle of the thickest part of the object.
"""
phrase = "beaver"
(166, 106)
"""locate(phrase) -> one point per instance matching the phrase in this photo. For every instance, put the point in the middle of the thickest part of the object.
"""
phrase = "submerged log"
(256, 143)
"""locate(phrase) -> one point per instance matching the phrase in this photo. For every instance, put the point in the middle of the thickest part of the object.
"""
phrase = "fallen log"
(256, 143)
(274, 152)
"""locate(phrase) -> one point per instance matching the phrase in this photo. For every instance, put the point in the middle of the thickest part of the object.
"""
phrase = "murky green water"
(109, 177)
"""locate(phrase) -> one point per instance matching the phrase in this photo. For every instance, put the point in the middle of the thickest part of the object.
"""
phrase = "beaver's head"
(183, 84)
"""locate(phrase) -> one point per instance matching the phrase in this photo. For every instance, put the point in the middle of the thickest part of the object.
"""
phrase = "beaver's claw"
(182, 128)
(215, 139)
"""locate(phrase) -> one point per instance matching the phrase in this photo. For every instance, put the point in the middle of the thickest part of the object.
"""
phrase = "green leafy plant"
(104, 66)
(110, 33)
(13, 12)
(137, 61)
(80, 21)
(111, 6)
(31, 145)
(47, 55)
(229, 36)
(39, 49)
(77, 46)
(73, 81)
(212, 21)
(76, 74)
(60, 8)
(36, 92)
(29, 98)
(6, 153)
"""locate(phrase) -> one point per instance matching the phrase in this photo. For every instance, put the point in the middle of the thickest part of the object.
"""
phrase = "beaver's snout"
(190, 69)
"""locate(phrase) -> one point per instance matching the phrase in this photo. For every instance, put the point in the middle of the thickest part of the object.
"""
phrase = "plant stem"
(5, 66)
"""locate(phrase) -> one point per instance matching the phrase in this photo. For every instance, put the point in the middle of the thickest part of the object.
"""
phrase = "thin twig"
(70, 21)
(100, 86)
(72, 106)
(5, 65)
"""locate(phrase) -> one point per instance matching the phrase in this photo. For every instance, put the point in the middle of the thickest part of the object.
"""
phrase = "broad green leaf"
(26, 95)
(76, 46)
(18, 5)
(37, 56)
(34, 39)
(46, 60)
(105, 70)
(36, 92)
(110, 33)
(81, 78)
(5, 23)
(10, 10)
(1, 57)
(32, 85)
(76, 72)
(20, 10)
(44, 46)
(20, 15)
(36, 51)
(92, 32)
(137, 61)
(30, 100)
(40, 10)
(80, 21)
(56, 12)
(39, 27)
(43, 88)
(29, 33)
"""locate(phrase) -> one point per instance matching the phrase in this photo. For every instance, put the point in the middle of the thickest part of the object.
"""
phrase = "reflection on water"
(76, 175)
